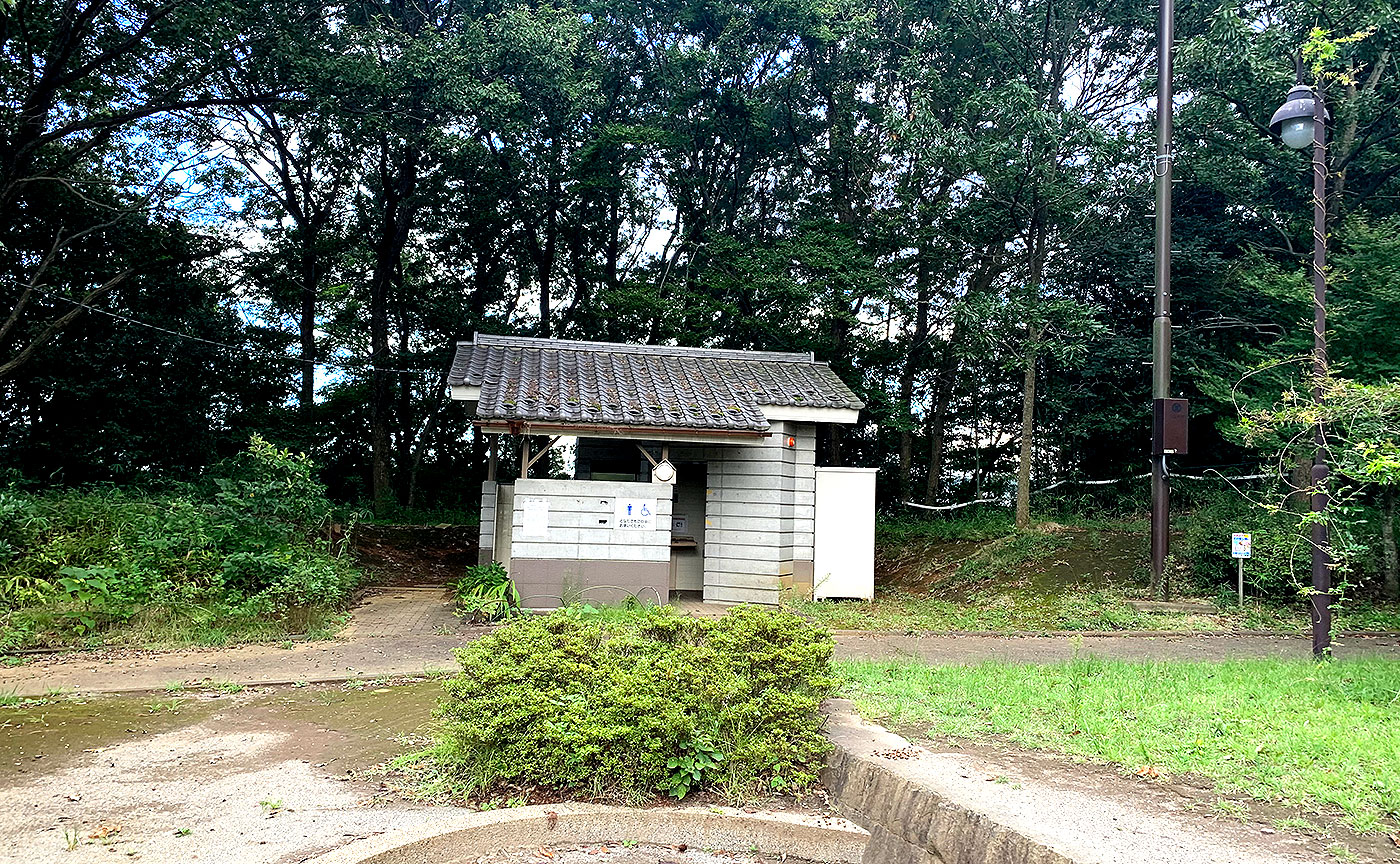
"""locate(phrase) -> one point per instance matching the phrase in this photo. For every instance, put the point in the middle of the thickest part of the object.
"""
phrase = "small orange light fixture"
(791, 441)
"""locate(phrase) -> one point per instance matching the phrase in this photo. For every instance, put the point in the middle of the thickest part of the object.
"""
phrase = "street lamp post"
(1302, 120)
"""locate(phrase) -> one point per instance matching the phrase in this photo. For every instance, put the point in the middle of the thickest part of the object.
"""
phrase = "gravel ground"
(249, 779)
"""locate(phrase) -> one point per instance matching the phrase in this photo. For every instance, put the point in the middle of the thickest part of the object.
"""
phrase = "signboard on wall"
(535, 523)
(635, 514)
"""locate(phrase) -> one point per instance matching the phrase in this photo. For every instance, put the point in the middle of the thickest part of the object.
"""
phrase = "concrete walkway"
(1031, 808)
(1059, 648)
(404, 631)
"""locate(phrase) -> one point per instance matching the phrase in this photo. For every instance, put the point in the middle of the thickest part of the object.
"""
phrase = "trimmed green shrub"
(627, 707)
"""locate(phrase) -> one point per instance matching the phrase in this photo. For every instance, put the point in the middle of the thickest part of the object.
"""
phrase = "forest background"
(221, 219)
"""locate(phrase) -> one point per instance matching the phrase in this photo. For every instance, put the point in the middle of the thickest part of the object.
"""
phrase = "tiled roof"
(602, 383)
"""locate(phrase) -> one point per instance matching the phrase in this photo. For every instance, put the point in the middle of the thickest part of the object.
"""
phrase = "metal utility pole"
(1321, 546)
(1162, 296)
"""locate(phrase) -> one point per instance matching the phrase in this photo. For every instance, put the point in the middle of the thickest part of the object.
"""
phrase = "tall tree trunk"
(937, 436)
(1390, 562)
(307, 323)
(1023, 471)
(425, 436)
(834, 454)
(396, 217)
(923, 278)
(1033, 335)
(404, 415)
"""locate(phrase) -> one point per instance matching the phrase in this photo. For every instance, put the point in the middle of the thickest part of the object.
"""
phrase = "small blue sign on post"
(1241, 545)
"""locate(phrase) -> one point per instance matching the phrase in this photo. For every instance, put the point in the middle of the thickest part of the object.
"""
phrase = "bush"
(1279, 567)
(272, 485)
(626, 707)
(19, 524)
(485, 593)
(243, 545)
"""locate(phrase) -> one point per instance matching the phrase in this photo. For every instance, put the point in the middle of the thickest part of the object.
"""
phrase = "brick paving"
(401, 612)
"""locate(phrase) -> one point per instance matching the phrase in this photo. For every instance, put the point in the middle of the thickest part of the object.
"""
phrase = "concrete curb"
(910, 823)
(460, 837)
(923, 807)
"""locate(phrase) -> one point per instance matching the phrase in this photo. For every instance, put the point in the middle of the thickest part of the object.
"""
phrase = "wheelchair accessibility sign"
(635, 514)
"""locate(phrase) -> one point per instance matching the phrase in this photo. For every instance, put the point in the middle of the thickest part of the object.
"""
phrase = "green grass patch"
(987, 525)
(1080, 610)
(1018, 611)
(1322, 736)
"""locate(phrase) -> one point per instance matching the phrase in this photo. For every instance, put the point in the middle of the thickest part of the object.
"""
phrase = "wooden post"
(491, 458)
(524, 457)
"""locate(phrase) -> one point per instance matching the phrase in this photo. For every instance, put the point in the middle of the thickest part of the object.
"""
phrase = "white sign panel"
(1240, 545)
(635, 514)
(536, 521)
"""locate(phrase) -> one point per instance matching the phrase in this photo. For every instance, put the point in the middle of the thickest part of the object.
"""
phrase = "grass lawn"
(1324, 737)
(979, 574)
(1100, 609)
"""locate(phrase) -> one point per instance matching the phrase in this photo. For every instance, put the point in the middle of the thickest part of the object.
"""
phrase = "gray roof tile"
(550, 380)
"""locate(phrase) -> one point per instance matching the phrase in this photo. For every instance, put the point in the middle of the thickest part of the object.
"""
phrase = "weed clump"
(626, 707)
(244, 552)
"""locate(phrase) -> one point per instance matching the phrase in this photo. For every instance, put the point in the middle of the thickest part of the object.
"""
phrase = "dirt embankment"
(1052, 559)
(415, 555)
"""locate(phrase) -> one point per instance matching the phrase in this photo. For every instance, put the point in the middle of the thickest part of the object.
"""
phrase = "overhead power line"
(946, 507)
(281, 358)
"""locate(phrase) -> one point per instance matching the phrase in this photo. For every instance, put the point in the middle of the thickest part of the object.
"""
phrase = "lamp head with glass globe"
(1293, 122)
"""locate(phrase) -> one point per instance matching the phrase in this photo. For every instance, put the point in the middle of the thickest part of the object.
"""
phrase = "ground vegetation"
(220, 219)
(1316, 738)
(248, 552)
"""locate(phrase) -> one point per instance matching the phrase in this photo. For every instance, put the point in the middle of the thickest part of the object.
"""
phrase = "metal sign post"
(1241, 547)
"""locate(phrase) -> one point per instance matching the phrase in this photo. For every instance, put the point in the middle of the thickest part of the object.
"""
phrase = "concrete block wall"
(581, 516)
(581, 555)
(486, 549)
(759, 511)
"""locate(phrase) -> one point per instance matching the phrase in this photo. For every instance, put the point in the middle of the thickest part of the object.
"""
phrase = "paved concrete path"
(1059, 648)
(1031, 808)
(403, 631)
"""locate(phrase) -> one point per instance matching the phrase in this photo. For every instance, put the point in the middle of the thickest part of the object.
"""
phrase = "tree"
(1362, 427)
(91, 87)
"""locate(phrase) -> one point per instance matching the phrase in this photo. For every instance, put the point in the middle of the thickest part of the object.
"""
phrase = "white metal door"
(844, 547)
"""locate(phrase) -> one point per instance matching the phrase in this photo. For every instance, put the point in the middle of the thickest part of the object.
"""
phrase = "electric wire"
(946, 507)
(328, 364)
